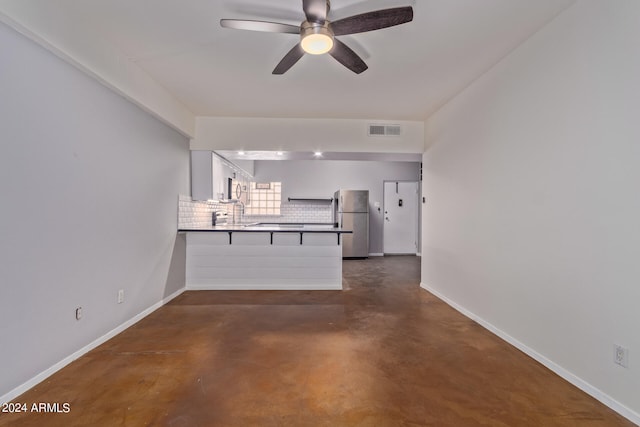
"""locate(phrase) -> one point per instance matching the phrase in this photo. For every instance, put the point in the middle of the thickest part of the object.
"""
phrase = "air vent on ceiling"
(384, 130)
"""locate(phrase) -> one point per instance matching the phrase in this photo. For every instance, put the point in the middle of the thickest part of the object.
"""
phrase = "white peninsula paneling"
(251, 261)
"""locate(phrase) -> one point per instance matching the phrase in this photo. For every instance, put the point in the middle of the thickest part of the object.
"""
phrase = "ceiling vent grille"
(384, 130)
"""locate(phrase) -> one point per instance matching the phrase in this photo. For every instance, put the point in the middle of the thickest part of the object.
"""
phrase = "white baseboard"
(64, 362)
(598, 394)
(376, 254)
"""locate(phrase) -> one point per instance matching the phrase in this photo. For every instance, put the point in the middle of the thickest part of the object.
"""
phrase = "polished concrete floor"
(382, 352)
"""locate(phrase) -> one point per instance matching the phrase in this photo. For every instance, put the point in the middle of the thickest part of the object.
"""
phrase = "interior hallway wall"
(531, 177)
(89, 186)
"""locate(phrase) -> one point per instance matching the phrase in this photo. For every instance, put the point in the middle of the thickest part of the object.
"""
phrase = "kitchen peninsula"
(263, 256)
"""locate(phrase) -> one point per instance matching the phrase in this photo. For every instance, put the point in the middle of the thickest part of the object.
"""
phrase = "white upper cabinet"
(201, 175)
(210, 176)
(218, 177)
(207, 176)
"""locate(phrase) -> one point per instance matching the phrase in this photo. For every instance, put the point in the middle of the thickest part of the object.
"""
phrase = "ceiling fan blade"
(289, 60)
(270, 27)
(371, 21)
(344, 55)
(315, 10)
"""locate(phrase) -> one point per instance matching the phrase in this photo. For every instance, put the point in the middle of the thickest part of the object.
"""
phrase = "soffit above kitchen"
(235, 155)
(175, 60)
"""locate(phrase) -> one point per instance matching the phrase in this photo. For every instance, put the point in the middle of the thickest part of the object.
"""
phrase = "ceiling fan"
(317, 33)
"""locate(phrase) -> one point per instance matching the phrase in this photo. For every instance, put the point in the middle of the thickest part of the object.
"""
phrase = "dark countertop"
(264, 227)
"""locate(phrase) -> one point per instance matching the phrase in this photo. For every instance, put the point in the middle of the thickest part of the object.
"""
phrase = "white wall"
(270, 134)
(89, 186)
(531, 179)
(321, 179)
(98, 58)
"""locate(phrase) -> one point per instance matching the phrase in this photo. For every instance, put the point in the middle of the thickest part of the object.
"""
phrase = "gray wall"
(532, 181)
(89, 186)
(321, 178)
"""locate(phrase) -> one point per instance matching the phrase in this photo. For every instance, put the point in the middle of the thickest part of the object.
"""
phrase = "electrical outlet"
(120, 296)
(621, 355)
(78, 313)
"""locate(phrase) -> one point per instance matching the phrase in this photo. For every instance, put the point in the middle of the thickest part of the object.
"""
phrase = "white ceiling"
(413, 68)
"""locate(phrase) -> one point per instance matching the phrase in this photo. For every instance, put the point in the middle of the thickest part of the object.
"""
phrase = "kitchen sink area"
(273, 226)
(255, 255)
(287, 225)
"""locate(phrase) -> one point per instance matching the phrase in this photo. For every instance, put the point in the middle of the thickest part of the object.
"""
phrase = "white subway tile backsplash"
(297, 212)
(194, 214)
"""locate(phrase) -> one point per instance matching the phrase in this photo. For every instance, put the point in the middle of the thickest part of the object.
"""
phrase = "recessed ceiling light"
(241, 153)
(279, 153)
(318, 154)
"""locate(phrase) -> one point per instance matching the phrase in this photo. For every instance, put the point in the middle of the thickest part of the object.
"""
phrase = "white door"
(401, 217)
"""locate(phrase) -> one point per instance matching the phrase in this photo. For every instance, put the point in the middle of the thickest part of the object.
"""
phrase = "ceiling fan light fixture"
(316, 39)
(317, 32)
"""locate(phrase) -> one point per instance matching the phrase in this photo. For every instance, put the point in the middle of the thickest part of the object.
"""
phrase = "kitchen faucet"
(241, 208)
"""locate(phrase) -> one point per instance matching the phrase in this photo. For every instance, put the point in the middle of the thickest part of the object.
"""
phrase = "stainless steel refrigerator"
(351, 212)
